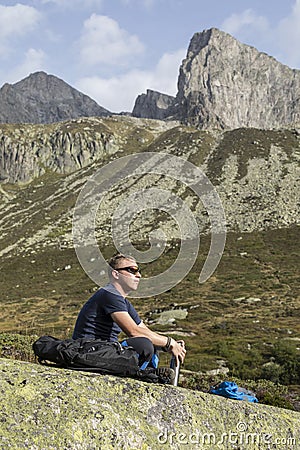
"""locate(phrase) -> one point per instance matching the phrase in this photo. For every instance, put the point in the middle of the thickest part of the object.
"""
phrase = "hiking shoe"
(166, 374)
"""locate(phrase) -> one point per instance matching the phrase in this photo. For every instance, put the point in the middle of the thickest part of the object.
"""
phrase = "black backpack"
(93, 356)
(85, 353)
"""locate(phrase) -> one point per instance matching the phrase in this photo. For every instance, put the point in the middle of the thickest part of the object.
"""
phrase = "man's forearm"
(157, 339)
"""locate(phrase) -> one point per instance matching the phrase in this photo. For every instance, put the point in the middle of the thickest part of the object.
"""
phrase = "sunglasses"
(133, 270)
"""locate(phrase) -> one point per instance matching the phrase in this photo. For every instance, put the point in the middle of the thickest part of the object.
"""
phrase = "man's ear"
(115, 274)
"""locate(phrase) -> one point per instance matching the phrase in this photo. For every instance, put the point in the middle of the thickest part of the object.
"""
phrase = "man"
(108, 312)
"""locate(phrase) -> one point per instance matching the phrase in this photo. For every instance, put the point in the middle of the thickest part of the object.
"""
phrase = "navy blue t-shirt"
(94, 319)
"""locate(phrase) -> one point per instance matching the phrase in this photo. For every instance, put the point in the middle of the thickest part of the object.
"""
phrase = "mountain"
(247, 312)
(43, 98)
(226, 84)
(222, 84)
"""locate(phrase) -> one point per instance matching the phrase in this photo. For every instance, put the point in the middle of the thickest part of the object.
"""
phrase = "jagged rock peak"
(152, 105)
(43, 98)
(226, 84)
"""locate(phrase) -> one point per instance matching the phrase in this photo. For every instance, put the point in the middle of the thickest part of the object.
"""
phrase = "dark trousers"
(145, 349)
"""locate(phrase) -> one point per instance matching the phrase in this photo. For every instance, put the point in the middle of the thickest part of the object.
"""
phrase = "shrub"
(286, 356)
(17, 346)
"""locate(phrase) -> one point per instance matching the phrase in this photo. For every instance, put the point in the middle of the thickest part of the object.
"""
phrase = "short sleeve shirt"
(94, 319)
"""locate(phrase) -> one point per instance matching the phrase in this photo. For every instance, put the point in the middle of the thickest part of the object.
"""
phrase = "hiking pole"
(176, 368)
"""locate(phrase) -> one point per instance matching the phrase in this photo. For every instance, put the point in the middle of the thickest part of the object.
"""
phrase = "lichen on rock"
(51, 408)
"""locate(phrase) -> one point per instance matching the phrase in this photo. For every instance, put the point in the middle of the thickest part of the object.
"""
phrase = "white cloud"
(246, 21)
(289, 36)
(104, 42)
(283, 37)
(119, 93)
(164, 77)
(116, 93)
(74, 3)
(17, 20)
(34, 60)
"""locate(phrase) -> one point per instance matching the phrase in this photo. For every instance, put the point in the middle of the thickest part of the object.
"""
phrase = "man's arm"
(128, 325)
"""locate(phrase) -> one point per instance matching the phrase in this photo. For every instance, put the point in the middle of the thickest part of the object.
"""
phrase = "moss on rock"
(50, 408)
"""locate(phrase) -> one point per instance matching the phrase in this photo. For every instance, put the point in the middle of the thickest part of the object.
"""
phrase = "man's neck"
(119, 288)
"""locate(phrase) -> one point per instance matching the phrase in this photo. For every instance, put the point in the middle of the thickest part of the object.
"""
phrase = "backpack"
(86, 353)
(92, 355)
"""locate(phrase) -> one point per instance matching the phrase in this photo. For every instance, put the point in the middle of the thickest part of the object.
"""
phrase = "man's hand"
(177, 348)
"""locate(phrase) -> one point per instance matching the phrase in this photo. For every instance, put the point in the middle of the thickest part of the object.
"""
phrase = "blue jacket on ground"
(230, 389)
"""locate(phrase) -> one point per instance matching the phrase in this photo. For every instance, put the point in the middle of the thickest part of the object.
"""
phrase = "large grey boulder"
(47, 408)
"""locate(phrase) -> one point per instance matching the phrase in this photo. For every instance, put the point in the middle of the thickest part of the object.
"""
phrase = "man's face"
(129, 274)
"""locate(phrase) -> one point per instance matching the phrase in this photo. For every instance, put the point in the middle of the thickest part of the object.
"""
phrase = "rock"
(55, 409)
(43, 98)
(153, 105)
(170, 316)
(220, 370)
(253, 300)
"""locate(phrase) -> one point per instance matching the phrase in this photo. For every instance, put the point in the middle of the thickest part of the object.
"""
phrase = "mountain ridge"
(222, 84)
(255, 172)
(225, 84)
(43, 98)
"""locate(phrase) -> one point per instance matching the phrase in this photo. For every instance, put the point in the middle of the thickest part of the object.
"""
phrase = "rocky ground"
(44, 407)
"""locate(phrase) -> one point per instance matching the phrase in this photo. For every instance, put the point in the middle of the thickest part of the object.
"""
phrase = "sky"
(114, 50)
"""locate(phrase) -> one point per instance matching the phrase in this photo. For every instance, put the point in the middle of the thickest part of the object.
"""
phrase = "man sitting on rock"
(108, 312)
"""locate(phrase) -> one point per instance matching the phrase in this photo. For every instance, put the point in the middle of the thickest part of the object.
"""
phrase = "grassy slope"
(44, 297)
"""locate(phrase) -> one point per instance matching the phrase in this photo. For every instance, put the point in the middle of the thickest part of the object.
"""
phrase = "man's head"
(124, 272)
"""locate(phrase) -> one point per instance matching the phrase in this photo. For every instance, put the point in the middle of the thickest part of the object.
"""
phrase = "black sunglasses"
(133, 270)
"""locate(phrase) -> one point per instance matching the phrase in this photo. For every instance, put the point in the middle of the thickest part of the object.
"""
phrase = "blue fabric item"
(144, 365)
(155, 361)
(230, 389)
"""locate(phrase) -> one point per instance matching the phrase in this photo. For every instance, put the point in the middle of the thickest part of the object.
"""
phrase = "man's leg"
(148, 358)
(145, 349)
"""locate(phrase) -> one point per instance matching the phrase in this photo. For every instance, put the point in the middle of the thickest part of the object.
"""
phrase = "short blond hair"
(113, 262)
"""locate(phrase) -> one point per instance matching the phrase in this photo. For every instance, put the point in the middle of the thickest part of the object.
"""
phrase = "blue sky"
(113, 50)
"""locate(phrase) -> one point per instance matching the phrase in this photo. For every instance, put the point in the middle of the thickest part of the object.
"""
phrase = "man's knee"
(147, 346)
(142, 345)
(146, 350)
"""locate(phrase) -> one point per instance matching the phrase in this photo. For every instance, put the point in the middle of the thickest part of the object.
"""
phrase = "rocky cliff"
(256, 173)
(28, 151)
(226, 84)
(42, 98)
(152, 105)
(53, 408)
